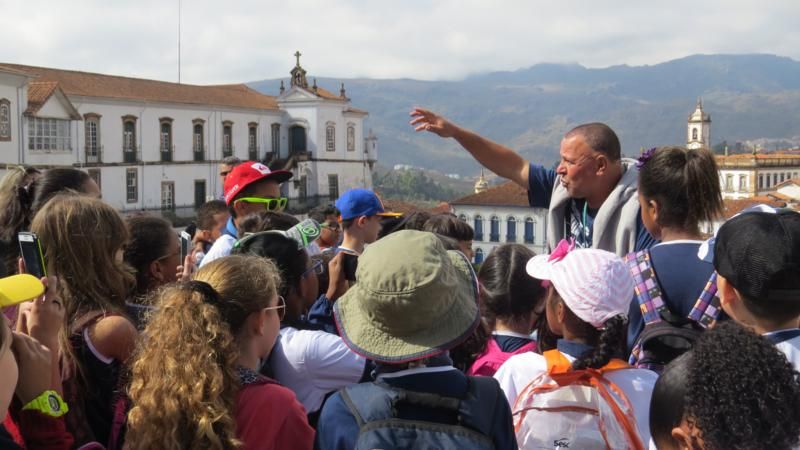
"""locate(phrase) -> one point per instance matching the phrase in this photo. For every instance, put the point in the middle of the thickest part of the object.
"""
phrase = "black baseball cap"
(759, 254)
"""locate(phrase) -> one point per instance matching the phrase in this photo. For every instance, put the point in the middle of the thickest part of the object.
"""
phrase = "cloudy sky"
(245, 40)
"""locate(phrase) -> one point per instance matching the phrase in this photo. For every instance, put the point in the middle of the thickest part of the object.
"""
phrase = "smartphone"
(350, 264)
(32, 256)
(186, 244)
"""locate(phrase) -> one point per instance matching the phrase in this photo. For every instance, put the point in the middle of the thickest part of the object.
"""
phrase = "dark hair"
(283, 251)
(16, 198)
(411, 221)
(738, 389)
(600, 137)
(449, 225)
(206, 213)
(149, 240)
(321, 213)
(465, 353)
(685, 183)
(266, 221)
(57, 180)
(232, 161)
(508, 292)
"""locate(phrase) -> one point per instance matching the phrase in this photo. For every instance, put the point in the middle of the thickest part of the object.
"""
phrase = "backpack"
(493, 357)
(375, 405)
(666, 335)
(569, 409)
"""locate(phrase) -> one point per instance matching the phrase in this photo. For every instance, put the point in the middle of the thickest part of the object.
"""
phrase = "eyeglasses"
(281, 308)
(333, 226)
(270, 204)
(316, 268)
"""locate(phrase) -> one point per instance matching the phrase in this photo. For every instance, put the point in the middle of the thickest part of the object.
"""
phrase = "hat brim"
(19, 288)
(390, 214)
(365, 337)
(539, 267)
(278, 176)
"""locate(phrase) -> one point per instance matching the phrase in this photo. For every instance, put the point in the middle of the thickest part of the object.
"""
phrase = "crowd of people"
(356, 327)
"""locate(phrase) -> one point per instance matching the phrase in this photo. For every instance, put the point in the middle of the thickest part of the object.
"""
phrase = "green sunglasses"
(271, 204)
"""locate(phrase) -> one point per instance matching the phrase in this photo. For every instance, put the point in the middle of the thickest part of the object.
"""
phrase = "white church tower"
(699, 129)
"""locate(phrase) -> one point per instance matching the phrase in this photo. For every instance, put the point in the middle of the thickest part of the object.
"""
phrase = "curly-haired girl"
(734, 390)
(195, 382)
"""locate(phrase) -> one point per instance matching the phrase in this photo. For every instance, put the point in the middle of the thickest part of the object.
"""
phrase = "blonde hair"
(16, 196)
(184, 375)
(80, 238)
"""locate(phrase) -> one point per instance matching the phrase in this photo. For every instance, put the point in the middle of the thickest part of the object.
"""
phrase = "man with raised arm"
(591, 196)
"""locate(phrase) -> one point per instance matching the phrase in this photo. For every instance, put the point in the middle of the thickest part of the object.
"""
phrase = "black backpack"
(666, 335)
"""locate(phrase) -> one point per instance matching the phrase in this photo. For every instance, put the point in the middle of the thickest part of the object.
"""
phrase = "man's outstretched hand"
(424, 120)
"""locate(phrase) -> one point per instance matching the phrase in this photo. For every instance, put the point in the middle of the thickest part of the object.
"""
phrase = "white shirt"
(314, 363)
(791, 348)
(222, 247)
(637, 384)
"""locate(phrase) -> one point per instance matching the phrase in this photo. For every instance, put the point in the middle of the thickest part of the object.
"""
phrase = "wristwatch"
(48, 403)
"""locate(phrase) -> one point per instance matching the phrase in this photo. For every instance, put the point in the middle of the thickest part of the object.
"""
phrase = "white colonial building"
(157, 145)
(500, 215)
(756, 174)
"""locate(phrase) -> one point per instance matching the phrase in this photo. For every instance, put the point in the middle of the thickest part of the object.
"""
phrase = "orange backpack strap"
(615, 364)
(556, 362)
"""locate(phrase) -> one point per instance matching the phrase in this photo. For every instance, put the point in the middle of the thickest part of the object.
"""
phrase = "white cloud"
(224, 42)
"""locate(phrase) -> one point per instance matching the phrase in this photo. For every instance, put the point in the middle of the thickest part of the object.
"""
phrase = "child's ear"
(728, 295)
(155, 271)
(362, 220)
(655, 208)
(681, 438)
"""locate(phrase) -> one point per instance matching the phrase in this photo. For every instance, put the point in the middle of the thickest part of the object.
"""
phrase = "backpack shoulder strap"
(646, 287)
(706, 310)
(529, 347)
(556, 362)
(368, 402)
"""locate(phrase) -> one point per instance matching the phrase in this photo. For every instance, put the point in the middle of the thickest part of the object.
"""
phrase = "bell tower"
(698, 133)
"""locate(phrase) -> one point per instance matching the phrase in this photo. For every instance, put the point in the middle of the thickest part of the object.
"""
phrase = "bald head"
(600, 137)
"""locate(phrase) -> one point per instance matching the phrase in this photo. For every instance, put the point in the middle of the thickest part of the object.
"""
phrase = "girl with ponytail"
(195, 380)
(679, 189)
(587, 298)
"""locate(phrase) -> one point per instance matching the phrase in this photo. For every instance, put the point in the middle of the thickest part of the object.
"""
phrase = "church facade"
(157, 145)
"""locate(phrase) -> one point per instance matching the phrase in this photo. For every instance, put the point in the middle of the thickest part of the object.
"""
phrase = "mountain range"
(750, 97)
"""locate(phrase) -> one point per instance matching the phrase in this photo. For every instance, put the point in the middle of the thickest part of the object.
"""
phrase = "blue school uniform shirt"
(541, 182)
(681, 276)
(338, 430)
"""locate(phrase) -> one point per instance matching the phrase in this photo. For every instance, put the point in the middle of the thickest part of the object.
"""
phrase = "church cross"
(297, 55)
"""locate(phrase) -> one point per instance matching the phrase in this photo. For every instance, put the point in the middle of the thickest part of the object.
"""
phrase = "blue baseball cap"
(361, 202)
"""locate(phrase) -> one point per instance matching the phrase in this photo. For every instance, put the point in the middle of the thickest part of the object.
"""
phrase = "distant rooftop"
(506, 194)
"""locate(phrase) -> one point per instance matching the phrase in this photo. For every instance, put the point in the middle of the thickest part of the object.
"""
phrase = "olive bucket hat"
(413, 299)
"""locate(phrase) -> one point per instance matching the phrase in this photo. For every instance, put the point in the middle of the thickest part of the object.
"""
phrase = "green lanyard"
(585, 227)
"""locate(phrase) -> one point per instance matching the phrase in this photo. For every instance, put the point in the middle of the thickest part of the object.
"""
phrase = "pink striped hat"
(595, 284)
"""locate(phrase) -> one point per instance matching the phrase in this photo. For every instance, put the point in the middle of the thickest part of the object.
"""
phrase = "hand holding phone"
(186, 245)
(32, 256)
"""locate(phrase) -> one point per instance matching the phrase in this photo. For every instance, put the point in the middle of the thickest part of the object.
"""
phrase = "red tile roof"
(733, 207)
(506, 194)
(401, 206)
(111, 86)
(787, 183)
(38, 94)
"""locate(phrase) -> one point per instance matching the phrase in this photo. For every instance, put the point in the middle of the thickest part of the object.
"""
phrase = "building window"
(694, 134)
(742, 183)
(351, 138)
(303, 188)
(198, 140)
(728, 183)
(330, 137)
(478, 228)
(774, 179)
(94, 174)
(92, 130)
(252, 142)
(297, 139)
(783, 178)
(199, 193)
(49, 134)
(131, 185)
(761, 181)
(5, 119)
(529, 230)
(129, 139)
(478, 256)
(333, 186)
(511, 230)
(166, 139)
(167, 195)
(494, 229)
(276, 138)
(227, 139)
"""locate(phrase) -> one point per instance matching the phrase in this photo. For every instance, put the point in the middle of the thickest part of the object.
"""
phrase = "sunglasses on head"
(270, 204)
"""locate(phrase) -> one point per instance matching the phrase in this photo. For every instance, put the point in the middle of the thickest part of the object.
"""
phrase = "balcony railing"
(94, 155)
(252, 153)
(131, 155)
(166, 156)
